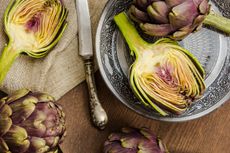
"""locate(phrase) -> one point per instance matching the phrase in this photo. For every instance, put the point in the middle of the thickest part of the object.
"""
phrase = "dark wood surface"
(209, 134)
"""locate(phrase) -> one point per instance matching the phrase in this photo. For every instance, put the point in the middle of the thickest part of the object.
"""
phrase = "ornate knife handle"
(98, 114)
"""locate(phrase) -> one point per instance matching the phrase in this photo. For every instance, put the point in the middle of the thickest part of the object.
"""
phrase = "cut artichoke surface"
(164, 76)
(175, 18)
(33, 27)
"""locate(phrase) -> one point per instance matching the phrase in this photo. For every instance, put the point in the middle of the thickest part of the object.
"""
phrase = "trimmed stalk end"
(219, 22)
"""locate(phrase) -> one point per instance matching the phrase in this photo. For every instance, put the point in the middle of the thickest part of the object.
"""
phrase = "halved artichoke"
(175, 18)
(34, 27)
(164, 76)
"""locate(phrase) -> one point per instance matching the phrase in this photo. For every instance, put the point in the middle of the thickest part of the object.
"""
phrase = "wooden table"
(209, 134)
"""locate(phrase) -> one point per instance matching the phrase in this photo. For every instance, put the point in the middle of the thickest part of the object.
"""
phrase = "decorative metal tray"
(211, 48)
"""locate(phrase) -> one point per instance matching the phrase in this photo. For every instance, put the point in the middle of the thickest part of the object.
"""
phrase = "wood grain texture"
(209, 134)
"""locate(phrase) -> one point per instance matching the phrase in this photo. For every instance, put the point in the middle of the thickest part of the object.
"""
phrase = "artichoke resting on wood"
(175, 18)
(164, 76)
(30, 123)
(34, 27)
(131, 140)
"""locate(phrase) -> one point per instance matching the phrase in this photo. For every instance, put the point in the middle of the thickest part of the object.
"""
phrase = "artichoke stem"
(6, 60)
(134, 40)
(219, 22)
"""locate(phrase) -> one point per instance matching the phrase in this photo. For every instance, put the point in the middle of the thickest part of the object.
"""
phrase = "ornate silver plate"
(210, 47)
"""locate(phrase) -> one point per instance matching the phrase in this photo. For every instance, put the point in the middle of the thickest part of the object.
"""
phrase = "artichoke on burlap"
(133, 140)
(33, 27)
(175, 18)
(30, 122)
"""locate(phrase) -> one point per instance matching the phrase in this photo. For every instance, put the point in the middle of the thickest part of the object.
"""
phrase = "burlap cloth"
(57, 73)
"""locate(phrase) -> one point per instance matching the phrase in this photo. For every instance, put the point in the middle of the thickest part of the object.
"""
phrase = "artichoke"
(30, 122)
(175, 18)
(164, 76)
(132, 140)
(33, 27)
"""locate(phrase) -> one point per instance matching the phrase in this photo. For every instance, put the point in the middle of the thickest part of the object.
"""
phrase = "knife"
(99, 116)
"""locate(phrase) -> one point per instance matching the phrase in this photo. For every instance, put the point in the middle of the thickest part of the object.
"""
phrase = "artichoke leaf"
(17, 95)
(17, 139)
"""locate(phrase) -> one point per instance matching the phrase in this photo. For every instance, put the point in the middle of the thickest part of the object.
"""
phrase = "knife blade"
(98, 114)
(84, 29)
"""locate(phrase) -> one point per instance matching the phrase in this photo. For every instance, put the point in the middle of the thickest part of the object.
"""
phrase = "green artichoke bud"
(164, 76)
(175, 18)
(34, 27)
(131, 140)
(30, 122)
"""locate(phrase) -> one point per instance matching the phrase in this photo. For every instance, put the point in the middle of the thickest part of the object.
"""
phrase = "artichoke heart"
(34, 27)
(164, 76)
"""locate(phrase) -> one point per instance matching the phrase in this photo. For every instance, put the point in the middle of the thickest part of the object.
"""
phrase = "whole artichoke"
(164, 76)
(132, 140)
(176, 18)
(30, 122)
(34, 27)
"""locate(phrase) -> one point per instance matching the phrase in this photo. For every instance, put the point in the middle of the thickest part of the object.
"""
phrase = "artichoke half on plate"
(164, 76)
(33, 27)
(175, 18)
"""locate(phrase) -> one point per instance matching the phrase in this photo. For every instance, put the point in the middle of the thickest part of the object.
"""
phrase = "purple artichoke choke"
(175, 18)
(30, 122)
